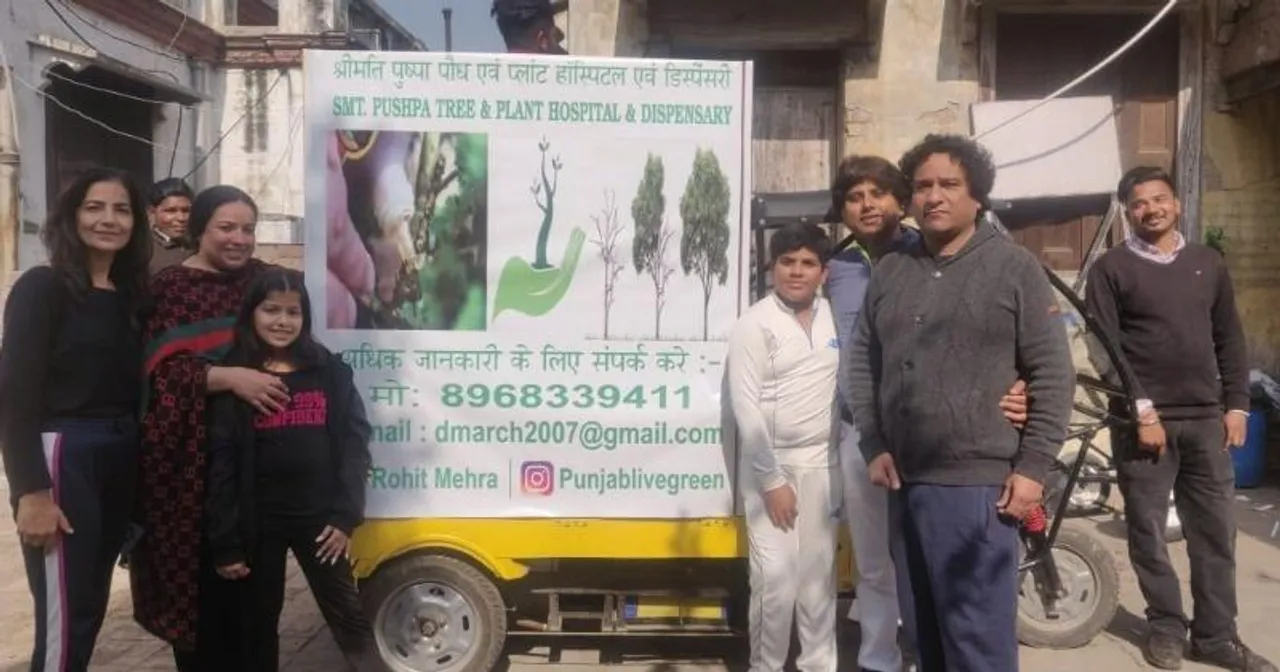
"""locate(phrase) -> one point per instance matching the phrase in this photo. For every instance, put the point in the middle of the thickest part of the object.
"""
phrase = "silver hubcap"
(1080, 588)
(427, 627)
(1087, 495)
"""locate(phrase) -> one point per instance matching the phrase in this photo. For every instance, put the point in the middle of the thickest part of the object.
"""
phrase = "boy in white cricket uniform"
(781, 369)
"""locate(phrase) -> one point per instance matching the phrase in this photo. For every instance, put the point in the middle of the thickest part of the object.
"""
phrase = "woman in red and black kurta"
(177, 595)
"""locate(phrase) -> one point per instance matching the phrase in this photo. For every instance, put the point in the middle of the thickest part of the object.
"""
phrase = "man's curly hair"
(979, 167)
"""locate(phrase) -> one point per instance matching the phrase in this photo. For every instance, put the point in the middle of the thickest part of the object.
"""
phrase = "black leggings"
(332, 585)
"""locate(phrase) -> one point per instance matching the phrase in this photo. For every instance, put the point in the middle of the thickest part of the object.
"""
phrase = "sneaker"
(1233, 655)
(1163, 651)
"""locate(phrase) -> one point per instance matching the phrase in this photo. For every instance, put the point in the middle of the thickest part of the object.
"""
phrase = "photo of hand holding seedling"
(407, 237)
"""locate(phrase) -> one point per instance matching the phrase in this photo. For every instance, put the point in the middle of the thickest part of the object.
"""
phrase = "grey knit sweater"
(939, 342)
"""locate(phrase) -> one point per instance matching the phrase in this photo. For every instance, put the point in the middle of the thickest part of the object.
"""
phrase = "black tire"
(1101, 593)
(381, 595)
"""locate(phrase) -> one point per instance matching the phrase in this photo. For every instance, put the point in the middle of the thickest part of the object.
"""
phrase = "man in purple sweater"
(1170, 305)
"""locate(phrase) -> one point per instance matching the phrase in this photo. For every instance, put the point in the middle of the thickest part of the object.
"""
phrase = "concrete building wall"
(1241, 195)
(1251, 31)
(896, 89)
(262, 152)
(606, 27)
(918, 75)
(35, 39)
(312, 16)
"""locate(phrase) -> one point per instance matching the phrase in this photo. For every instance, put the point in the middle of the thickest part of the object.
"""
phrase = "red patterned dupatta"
(189, 330)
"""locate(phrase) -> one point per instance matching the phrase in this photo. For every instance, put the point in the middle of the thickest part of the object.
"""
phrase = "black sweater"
(313, 456)
(939, 342)
(1177, 326)
(63, 357)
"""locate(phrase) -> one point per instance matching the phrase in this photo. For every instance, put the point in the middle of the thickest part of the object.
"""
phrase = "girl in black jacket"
(290, 480)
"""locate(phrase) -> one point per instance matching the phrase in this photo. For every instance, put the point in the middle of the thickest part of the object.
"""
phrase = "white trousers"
(793, 572)
(866, 508)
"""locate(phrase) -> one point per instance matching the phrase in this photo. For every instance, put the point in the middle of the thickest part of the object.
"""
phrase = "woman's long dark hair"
(248, 350)
(69, 256)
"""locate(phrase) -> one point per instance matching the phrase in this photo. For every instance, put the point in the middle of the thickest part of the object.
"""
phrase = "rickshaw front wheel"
(1090, 599)
(435, 613)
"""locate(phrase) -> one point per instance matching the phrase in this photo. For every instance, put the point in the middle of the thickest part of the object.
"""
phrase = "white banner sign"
(559, 256)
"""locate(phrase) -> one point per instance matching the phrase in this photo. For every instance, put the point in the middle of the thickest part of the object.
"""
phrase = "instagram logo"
(537, 478)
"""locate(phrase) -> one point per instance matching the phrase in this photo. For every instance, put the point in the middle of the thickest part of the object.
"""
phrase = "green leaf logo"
(535, 291)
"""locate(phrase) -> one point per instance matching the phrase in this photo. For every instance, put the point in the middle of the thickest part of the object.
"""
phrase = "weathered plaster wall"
(919, 75)
(607, 27)
(895, 91)
(262, 152)
(1241, 194)
(312, 16)
(1252, 34)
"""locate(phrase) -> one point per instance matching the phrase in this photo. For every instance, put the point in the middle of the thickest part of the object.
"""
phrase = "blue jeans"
(962, 558)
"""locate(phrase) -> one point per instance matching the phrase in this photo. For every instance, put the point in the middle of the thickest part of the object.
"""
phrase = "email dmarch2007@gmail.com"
(589, 434)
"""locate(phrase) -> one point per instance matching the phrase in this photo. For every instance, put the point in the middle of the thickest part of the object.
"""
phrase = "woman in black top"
(69, 385)
(291, 479)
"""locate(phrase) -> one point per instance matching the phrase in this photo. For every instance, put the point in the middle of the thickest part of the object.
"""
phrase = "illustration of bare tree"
(546, 187)
(607, 231)
(649, 246)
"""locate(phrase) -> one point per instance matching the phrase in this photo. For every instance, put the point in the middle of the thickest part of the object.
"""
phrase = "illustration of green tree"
(607, 231)
(535, 288)
(546, 187)
(649, 246)
(704, 241)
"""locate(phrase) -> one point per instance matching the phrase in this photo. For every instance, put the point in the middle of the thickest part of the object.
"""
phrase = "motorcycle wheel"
(1091, 585)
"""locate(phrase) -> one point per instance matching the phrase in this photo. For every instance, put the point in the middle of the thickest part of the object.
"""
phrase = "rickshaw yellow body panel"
(502, 546)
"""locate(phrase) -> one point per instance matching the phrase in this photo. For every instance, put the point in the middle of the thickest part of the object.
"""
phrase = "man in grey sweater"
(949, 323)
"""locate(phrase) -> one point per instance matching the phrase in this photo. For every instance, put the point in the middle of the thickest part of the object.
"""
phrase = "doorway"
(1038, 53)
(74, 143)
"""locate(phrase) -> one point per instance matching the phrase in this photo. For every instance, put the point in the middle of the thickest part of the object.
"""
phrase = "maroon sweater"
(1176, 324)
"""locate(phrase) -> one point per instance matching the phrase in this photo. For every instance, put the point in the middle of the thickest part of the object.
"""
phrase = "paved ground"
(306, 644)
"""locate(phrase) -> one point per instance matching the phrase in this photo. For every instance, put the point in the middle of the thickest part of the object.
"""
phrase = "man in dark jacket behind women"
(528, 26)
(168, 209)
(949, 324)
